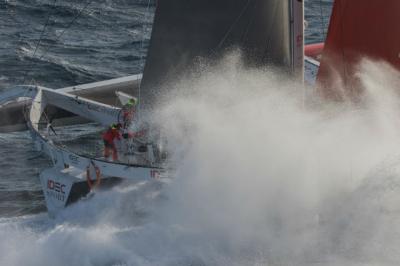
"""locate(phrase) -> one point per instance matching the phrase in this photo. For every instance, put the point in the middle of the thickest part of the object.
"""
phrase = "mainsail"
(185, 31)
(358, 29)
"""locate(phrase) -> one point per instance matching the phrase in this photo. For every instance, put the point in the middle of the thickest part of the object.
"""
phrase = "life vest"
(111, 134)
(89, 178)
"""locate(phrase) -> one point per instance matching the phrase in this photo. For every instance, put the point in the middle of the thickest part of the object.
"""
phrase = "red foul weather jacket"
(110, 135)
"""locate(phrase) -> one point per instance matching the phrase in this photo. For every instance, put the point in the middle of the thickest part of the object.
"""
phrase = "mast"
(297, 38)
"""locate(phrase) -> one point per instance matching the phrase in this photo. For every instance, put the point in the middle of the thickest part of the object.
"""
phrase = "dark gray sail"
(186, 30)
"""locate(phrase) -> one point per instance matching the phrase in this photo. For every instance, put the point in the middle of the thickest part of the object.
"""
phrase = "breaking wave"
(261, 179)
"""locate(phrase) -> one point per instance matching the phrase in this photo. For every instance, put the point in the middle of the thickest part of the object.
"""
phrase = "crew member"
(128, 112)
(109, 136)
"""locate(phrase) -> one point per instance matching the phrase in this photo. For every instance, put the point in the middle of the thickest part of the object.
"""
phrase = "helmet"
(114, 126)
(132, 101)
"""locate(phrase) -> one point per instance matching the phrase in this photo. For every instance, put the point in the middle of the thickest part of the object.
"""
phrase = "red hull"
(358, 29)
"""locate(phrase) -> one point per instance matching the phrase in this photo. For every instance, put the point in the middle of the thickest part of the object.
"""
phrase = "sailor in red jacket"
(109, 136)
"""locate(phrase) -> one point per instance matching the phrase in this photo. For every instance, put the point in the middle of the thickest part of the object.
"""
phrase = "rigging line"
(67, 28)
(47, 117)
(233, 25)
(250, 23)
(44, 29)
(269, 36)
(40, 39)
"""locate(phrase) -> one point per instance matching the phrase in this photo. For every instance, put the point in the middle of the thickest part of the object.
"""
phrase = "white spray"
(261, 180)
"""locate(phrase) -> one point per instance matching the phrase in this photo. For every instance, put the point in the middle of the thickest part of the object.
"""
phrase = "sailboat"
(74, 175)
(267, 32)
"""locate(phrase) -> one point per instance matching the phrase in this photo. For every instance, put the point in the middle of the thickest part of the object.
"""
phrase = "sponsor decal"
(56, 190)
(97, 108)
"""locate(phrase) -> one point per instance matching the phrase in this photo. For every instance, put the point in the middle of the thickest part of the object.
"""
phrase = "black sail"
(186, 30)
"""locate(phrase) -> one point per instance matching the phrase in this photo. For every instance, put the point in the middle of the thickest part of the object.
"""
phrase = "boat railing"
(62, 154)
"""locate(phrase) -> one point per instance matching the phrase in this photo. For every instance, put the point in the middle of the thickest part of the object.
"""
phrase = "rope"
(44, 29)
(267, 45)
(48, 47)
(67, 28)
(40, 39)
(233, 25)
(58, 37)
(244, 36)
